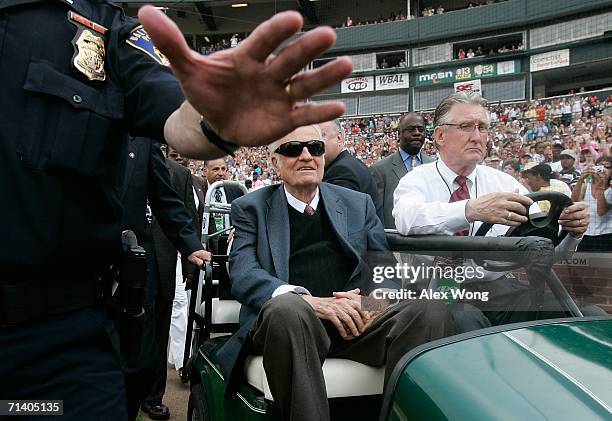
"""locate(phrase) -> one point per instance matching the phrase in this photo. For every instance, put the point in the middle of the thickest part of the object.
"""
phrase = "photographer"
(593, 187)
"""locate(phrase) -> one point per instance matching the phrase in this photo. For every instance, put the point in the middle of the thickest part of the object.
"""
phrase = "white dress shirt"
(421, 202)
(299, 206)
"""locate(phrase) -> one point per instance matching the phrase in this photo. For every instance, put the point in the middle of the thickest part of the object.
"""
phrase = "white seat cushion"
(223, 311)
(342, 377)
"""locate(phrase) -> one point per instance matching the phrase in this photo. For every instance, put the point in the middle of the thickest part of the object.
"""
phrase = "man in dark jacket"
(343, 169)
(147, 190)
(388, 171)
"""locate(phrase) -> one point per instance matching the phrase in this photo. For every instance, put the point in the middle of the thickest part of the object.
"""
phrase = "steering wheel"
(538, 225)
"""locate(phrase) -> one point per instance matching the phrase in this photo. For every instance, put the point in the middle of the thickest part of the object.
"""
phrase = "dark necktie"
(462, 193)
(308, 210)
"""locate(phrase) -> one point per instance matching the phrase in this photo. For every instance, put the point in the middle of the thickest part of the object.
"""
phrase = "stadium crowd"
(571, 134)
(479, 51)
(224, 44)
(535, 131)
(427, 11)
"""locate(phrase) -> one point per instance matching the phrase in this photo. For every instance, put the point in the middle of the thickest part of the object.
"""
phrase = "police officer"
(75, 76)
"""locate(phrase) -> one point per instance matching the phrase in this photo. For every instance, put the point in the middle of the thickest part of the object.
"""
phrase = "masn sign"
(475, 71)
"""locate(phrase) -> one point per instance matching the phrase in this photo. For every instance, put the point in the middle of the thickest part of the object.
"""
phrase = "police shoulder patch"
(140, 40)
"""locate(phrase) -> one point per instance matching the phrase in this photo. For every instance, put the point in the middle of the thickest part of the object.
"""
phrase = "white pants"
(178, 322)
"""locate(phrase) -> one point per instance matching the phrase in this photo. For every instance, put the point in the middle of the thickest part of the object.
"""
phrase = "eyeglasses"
(469, 127)
(294, 148)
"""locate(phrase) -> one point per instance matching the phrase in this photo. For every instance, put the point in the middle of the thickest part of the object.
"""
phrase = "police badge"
(89, 50)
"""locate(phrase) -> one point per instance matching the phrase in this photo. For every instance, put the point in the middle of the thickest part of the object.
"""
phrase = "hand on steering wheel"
(537, 224)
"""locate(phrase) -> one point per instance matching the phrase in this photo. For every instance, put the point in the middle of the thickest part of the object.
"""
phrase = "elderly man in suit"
(343, 169)
(299, 263)
(388, 171)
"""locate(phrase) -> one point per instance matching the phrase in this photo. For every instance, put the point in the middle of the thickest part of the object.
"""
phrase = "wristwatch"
(216, 140)
(301, 291)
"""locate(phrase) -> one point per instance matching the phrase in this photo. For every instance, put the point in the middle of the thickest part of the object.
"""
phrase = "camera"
(599, 168)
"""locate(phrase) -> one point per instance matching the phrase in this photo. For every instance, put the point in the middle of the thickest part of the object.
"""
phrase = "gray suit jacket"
(387, 173)
(259, 261)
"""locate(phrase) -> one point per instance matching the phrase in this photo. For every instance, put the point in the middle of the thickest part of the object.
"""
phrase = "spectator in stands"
(594, 187)
(576, 107)
(538, 155)
(512, 167)
(470, 53)
(568, 172)
(461, 54)
(588, 155)
(495, 162)
(540, 177)
(557, 148)
(566, 107)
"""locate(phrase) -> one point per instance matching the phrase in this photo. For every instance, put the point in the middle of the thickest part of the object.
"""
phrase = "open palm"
(241, 91)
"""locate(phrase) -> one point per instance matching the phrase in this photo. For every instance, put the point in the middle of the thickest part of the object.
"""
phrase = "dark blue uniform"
(75, 77)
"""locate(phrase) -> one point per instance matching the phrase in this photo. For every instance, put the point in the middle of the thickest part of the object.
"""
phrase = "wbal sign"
(357, 84)
(394, 81)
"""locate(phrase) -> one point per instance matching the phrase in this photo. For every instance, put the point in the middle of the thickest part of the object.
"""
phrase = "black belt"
(27, 301)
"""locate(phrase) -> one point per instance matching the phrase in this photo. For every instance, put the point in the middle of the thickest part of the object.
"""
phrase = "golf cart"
(548, 369)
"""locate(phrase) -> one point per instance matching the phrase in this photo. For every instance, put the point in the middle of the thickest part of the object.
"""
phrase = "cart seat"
(343, 378)
(223, 311)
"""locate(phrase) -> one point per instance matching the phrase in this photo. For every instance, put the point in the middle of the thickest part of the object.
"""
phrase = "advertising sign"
(549, 60)
(465, 73)
(470, 85)
(358, 84)
(393, 81)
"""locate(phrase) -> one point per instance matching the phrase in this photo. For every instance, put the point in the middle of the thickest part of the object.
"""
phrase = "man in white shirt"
(455, 195)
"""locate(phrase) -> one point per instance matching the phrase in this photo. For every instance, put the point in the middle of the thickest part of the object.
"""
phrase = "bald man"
(343, 169)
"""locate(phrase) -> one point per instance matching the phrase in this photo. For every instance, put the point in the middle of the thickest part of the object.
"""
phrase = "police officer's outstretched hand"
(243, 92)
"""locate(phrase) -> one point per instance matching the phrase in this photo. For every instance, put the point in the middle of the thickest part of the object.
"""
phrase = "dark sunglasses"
(294, 148)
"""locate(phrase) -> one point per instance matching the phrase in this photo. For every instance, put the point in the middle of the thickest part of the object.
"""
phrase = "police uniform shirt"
(75, 76)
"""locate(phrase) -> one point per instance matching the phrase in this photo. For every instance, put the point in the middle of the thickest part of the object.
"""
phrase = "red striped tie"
(309, 210)
(462, 193)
